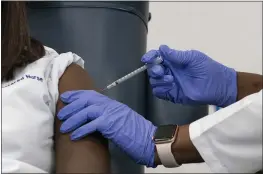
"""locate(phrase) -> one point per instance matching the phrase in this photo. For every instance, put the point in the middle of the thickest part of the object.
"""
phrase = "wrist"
(229, 91)
(154, 158)
(183, 149)
(164, 138)
(247, 84)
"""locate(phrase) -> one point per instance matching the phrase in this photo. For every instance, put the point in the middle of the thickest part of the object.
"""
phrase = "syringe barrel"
(130, 75)
(135, 72)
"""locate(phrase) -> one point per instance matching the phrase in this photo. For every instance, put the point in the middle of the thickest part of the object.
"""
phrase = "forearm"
(247, 84)
(211, 134)
(183, 149)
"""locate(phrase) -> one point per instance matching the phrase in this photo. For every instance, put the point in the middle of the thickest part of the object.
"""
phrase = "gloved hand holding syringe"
(132, 74)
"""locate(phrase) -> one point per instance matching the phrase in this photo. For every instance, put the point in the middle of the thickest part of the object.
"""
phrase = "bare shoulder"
(75, 78)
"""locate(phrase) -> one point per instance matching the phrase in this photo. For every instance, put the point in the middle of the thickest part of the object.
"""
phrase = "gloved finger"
(175, 56)
(89, 113)
(72, 108)
(70, 96)
(164, 81)
(155, 71)
(85, 130)
(150, 57)
(163, 91)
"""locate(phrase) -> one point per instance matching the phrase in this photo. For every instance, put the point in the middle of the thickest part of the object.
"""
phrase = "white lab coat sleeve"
(230, 140)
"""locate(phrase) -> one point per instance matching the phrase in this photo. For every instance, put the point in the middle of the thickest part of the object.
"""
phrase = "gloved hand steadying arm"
(191, 77)
(89, 111)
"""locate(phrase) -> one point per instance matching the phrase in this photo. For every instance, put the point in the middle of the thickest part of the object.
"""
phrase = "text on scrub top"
(27, 76)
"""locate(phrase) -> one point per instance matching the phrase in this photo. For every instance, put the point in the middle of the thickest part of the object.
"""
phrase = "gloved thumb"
(150, 57)
(174, 56)
(85, 130)
(156, 71)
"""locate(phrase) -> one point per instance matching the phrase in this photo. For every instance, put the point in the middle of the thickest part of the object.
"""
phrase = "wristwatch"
(164, 137)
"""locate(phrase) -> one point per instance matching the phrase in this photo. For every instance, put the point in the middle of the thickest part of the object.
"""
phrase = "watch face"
(165, 133)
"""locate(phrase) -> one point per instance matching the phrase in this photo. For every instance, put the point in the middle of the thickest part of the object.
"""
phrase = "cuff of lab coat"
(201, 142)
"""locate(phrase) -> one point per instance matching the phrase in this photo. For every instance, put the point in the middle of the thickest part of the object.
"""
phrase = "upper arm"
(89, 155)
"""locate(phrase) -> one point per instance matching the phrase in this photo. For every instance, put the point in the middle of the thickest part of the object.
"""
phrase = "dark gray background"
(111, 38)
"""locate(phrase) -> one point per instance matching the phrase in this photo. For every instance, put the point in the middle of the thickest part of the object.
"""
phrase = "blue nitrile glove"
(191, 77)
(89, 111)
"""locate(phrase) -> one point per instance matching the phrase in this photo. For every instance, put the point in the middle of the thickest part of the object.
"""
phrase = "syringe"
(132, 74)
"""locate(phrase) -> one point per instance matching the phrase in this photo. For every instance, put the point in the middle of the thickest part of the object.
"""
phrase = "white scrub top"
(28, 113)
(230, 140)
